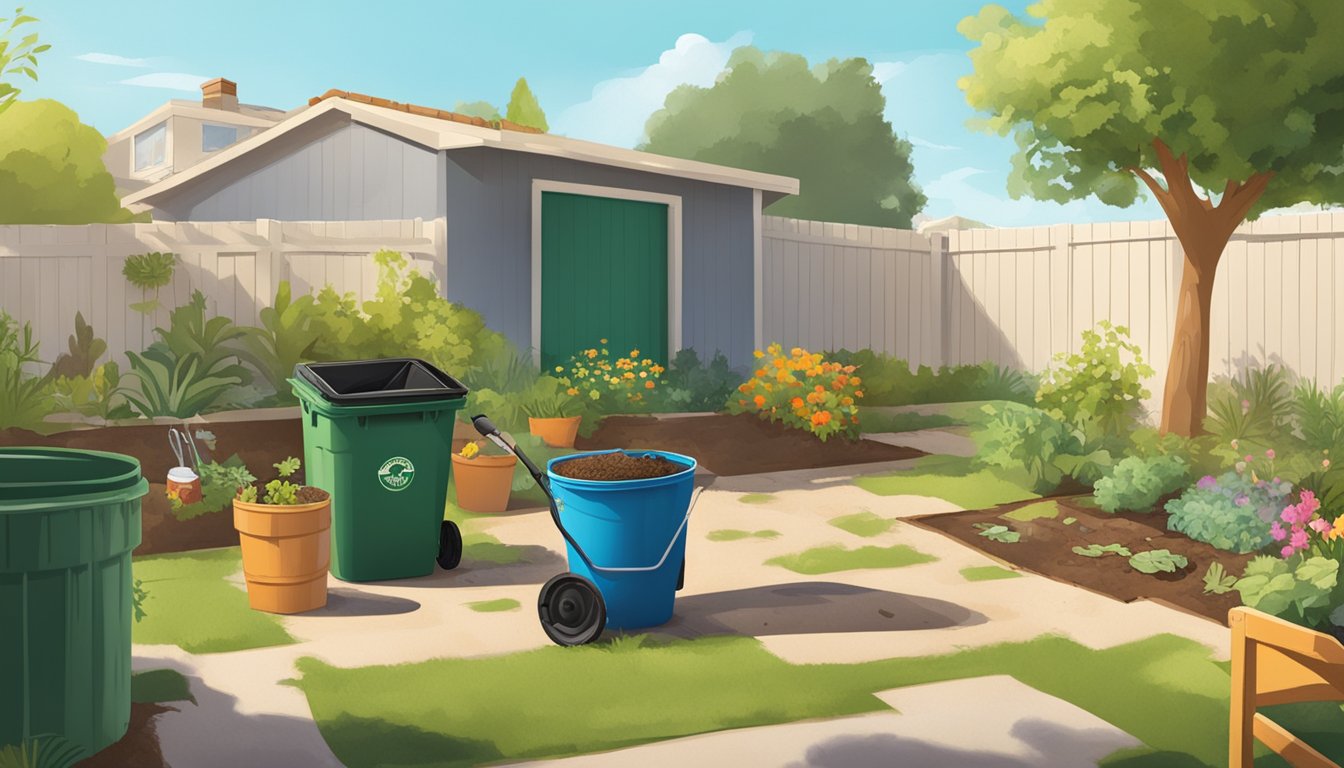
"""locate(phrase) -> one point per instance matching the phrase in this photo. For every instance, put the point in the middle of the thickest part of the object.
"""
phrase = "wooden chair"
(1277, 662)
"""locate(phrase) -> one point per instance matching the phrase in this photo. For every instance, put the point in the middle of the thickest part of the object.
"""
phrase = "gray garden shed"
(557, 242)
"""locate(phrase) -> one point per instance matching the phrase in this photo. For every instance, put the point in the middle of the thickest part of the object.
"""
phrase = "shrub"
(1257, 407)
(1137, 483)
(1232, 512)
(1320, 417)
(25, 399)
(191, 367)
(149, 272)
(690, 385)
(891, 381)
(1021, 436)
(802, 391)
(550, 398)
(286, 338)
(611, 385)
(85, 349)
(99, 394)
(1305, 590)
(1102, 382)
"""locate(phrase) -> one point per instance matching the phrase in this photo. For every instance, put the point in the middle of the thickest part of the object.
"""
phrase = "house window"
(215, 137)
(151, 147)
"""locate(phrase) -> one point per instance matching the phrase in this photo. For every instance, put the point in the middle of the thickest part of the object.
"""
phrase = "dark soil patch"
(1046, 547)
(305, 495)
(617, 466)
(738, 445)
(260, 444)
(139, 747)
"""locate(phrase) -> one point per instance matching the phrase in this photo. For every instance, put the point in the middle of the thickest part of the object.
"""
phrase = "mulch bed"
(139, 747)
(1046, 548)
(738, 445)
(258, 443)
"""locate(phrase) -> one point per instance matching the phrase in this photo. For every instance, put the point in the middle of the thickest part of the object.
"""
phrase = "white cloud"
(93, 57)
(926, 144)
(886, 70)
(619, 107)
(173, 81)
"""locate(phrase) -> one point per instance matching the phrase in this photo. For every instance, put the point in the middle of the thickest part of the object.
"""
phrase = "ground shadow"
(349, 602)
(491, 564)
(813, 607)
(1055, 745)
(372, 741)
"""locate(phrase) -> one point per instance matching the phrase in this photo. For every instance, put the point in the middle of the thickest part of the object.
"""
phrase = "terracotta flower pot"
(556, 432)
(483, 482)
(286, 552)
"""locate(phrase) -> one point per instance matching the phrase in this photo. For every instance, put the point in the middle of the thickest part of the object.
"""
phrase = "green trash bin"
(377, 436)
(68, 522)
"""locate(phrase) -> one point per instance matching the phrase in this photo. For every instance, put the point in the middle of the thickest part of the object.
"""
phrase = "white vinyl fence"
(1018, 296)
(47, 273)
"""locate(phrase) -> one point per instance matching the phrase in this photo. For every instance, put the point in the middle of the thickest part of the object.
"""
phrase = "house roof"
(441, 130)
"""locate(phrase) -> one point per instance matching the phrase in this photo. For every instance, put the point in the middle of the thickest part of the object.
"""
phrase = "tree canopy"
(482, 109)
(524, 109)
(51, 168)
(823, 125)
(18, 58)
(1221, 108)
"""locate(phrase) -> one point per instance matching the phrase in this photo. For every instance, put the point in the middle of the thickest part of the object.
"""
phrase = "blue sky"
(598, 68)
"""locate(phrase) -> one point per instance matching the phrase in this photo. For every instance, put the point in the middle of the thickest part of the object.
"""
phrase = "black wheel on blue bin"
(681, 577)
(571, 610)
(450, 545)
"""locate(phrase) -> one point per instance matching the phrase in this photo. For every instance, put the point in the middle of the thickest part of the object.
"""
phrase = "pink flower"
(1207, 483)
(1241, 500)
(1245, 406)
(1269, 454)
(1289, 514)
(1286, 551)
(1320, 525)
(1276, 530)
(1249, 458)
(1325, 463)
(1299, 539)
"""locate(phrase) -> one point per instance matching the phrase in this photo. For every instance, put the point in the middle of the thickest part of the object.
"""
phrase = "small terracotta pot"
(286, 552)
(483, 482)
(557, 432)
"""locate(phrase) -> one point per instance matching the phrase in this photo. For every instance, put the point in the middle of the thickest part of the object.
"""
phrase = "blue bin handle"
(695, 496)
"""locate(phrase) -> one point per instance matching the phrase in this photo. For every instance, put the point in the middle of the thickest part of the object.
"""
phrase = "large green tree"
(524, 109)
(1220, 108)
(18, 57)
(771, 112)
(51, 168)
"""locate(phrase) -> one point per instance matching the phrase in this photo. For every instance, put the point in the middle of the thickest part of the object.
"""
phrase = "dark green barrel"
(68, 522)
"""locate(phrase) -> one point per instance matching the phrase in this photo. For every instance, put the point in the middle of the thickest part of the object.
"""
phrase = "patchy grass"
(882, 420)
(495, 606)
(953, 479)
(480, 547)
(190, 604)
(1174, 698)
(1037, 511)
(756, 498)
(865, 524)
(836, 558)
(732, 534)
(160, 685)
(988, 573)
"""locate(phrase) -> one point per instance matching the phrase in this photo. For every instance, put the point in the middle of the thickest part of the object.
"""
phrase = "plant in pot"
(554, 411)
(284, 530)
(483, 474)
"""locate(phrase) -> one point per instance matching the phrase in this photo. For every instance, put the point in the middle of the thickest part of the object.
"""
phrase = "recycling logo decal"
(396, 473)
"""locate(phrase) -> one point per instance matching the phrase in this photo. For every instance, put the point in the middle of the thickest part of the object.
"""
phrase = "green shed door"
(603, 276)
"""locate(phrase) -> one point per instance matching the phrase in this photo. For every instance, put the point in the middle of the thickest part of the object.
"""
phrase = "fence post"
(942, 298)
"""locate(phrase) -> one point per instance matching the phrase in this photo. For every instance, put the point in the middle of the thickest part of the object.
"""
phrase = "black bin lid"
(380, 382)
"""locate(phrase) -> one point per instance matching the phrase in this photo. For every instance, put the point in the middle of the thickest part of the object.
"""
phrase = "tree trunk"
(1203, 230)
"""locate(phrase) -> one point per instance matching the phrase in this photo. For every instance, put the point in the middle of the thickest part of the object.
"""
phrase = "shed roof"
(441, 130)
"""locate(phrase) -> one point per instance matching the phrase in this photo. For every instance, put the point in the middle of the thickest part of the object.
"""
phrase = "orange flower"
(572, 391)
(742, 402)
(846, 400)
(842, 380)
(855, 380)
(746, 386)
(819, 388)
(648, 385)
(821, 418)
(760, 373)
(797, 402)
(657, 369)
(858, 393)
(759, 400)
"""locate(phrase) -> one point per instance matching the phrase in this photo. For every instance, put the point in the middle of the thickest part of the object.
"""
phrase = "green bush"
(194, 364)
(890, 381)
(85, 349)
(1101, 383)
(99, 394)
(25, 399)
(286, 338)
(1136, 483)
(1020, 436)
(690, 385)
(1301, 590)
(1232, 512)
(1320, 417)
(1256, 407)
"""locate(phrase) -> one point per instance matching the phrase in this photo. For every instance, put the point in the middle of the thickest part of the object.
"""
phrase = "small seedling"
(1217, 581)
(1155, 560)
(1097, 550)
(279, 492)
(999, 533)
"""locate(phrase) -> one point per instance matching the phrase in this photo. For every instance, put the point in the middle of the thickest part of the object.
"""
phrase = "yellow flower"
(470, 450)
(601, 341)
(629, 374)
(657, 369)
(634, 353)
(643, 374)
(1338, 530)
(559, 368)
(758, 354)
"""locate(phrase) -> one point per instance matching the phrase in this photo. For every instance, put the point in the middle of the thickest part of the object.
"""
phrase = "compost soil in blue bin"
(612, 467)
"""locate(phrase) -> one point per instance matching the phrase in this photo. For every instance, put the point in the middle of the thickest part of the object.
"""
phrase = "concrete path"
(246, 715)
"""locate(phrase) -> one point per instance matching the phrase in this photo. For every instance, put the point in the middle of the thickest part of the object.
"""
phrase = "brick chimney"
(220, 94)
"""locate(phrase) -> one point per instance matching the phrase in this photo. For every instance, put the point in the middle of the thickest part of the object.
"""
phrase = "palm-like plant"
(1256, 407)
(194, 363)
(25, 399)
(286, 338)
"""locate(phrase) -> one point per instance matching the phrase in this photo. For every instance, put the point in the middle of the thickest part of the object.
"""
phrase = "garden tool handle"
(487, 428)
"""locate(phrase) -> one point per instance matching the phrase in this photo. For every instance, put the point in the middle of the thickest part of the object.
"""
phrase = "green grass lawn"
(873, 420)
(1037, 511)
(988, 573)
(953, 479)
(495, 606)
(836, 558)
(756, 498)
(732, 534)
(865, 524)
(190, 605)
(1164, 690)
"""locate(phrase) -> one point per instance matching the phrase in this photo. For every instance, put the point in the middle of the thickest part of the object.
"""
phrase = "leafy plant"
(1255, 408)
(550, 398)
(192, 366)
(85, 349)
(1231, 512)
(1103, 381)
(611, 385)
(1157, 560)
(1137, 483)
(999, 533)
(1303, 590)
(280, 491)
(25, 399)
(504, 370)
(286, 338)
(892, 381)
(1217, 581)
(17, 58)
(690, 385)
(149, 272)
(138, 598)
(220, 483)
(1320, 416)
(804, 391)
(1021, 436)
(45, 751)
(99, 395)
(1097, 550)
